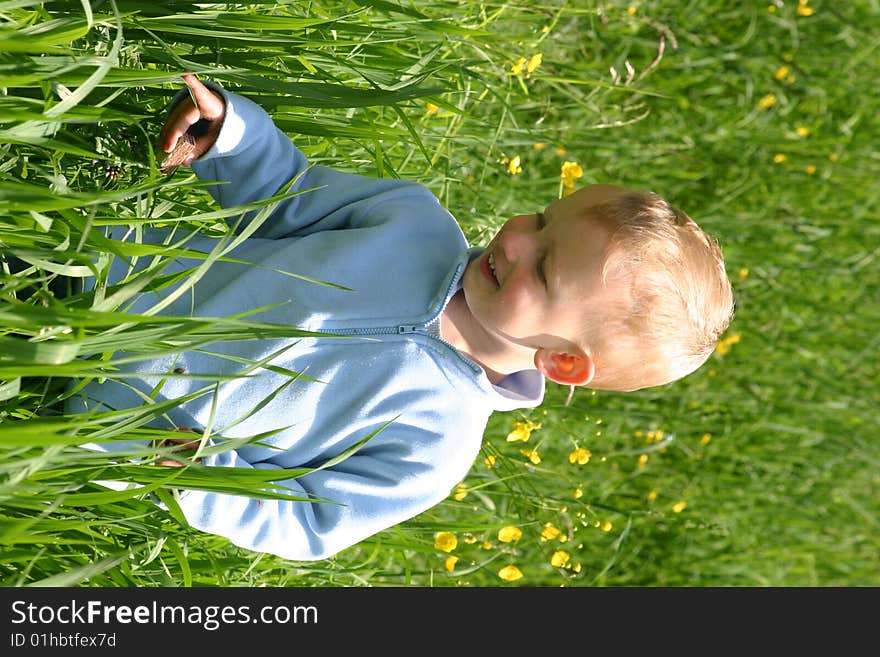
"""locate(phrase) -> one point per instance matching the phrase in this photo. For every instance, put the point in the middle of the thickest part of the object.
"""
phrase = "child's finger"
(210, 106)
(182, 117)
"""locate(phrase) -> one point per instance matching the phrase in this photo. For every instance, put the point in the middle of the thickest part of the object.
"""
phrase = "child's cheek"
(518, 303)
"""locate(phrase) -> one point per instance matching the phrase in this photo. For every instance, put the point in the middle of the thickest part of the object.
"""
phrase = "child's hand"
(192, 127)
(189, 446)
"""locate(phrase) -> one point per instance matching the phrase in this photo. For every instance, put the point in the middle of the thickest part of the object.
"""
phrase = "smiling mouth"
(491, 263)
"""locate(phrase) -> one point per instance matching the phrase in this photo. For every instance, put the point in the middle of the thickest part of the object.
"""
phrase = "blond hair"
(679, 299)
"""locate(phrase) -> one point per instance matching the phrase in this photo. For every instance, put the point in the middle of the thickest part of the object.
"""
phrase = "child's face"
(542, 272)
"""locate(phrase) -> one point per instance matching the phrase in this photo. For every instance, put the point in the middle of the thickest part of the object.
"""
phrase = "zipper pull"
(408, 328)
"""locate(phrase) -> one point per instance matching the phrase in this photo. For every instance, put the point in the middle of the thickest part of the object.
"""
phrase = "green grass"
(666, 98)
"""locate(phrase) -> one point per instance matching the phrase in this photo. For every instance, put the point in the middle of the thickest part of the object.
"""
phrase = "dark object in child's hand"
(179, 154)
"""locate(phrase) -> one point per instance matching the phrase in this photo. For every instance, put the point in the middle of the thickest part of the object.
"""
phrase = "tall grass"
(760, 469)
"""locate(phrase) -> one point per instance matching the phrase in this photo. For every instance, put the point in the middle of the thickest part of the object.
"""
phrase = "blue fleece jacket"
(403, 257)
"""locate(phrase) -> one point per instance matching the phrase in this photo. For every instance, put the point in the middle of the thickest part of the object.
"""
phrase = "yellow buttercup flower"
(706, 438)
(803, 10)
(510, 573)
(539, 146)
(559, 558)
(810, 169)
(445, 541)
(779, 158)
(517, 67)
(549, 532)
(534, 62)
(522, 431)
(802, 131)
(642, 460)
(490, 461)
(576, 568)
(743, 272)
(450, 562)
(581, 456)
(724, 345)
(531, 455)
(509, 534)
(578, 493)
(678, 507)
(781, 72)
(605, 526)
(767, 101)
(486, 545)
(431, 107)
(569, 172)
(514, 165)
(461, 492)
(652, 495)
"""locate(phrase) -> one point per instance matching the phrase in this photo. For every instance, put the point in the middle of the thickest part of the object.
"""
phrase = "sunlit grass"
(757, 470)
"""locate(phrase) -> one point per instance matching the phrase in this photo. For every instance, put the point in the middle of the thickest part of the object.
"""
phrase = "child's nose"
(519, 243)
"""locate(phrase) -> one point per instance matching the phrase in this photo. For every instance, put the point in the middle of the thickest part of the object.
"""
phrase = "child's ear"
(571, 369)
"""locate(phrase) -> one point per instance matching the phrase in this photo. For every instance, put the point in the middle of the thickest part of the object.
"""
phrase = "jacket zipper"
(408, 329)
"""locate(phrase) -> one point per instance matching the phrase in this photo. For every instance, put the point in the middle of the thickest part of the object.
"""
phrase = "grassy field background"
(758, 119)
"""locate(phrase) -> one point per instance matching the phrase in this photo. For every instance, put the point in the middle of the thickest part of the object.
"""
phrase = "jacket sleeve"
(253, 160)
(399, 473)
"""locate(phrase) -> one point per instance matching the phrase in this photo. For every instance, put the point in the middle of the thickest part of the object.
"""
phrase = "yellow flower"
(779, 158)
(486, 545)
(652, 495)
(605, 526)
(517, 67)
(570, 172)
(576, 568)
(450, 562)
(461, 492)
(803, 10)
(771, 8)
(631, 10)
(509, 534)
(802, 131)
(642, 460)
(706, 438)
(560, 151)
(510, 573)
(431, 107)
(581, 456)
(549, 532)
(531, 455)
(578, 493)
(743, 272)
(559, 558)
(539, 146)
(781, 72)
(490, 460)
(767, 101)
(833, 157)
(810, 169)
(534, 62)
(445, 541)
(522, 431)
(678, 507)
(513, 166)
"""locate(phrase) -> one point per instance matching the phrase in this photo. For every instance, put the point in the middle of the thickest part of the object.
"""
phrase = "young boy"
(607, 287)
